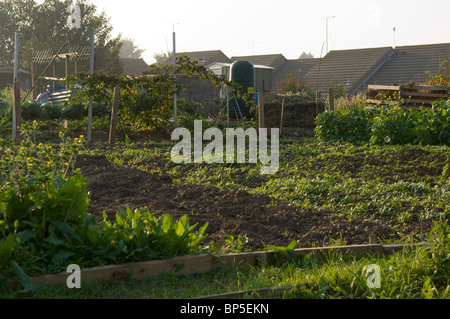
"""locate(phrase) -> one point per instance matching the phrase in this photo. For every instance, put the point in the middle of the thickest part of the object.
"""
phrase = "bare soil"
(262, 219)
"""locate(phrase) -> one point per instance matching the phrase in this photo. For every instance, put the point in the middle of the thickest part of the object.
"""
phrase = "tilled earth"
(261, 219)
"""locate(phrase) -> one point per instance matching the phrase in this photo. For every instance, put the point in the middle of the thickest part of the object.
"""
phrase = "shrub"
(44, 219)
(31, 111)
(349, 125)
(387, 125)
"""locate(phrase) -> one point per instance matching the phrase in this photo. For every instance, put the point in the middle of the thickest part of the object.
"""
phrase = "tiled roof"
(206, 58)
(134, 66)
(346, 67)
(272, 60)
(411, 63)
(298, 68)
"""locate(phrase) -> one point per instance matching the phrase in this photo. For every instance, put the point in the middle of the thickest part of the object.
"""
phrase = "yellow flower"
(78, 170)
(29, 165)
(76, 140)
(113, 242)
(49, 163)
(145, 221)
(48, 148)
(40, 144)
(66, 164)
(81, 136)
(1, 140)
(34, 122)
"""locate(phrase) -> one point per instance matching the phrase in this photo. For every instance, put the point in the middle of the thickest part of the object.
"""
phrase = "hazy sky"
(245, 27)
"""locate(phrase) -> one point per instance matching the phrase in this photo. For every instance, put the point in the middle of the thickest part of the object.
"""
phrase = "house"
(355, 69)
(411, 64)
(271, 60)
(135, 67)
(206, 58)
(299, 68)
(347, 68)
(7, 77)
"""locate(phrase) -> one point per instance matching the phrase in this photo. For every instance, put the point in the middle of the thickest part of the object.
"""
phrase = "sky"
(289, 27)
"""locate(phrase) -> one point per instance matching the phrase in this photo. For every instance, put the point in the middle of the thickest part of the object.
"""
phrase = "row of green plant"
(384, 125)
(35, 111)
(44, 219)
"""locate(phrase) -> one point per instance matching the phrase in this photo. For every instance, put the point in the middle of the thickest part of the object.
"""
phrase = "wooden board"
(195, 264)
(383, 87)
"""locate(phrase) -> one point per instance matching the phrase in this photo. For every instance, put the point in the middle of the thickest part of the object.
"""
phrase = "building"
(7, 77)
(206, 58)
(263, 74)
(135, 67)
(299, 68)
(355, 69)
(349, 70)
(271, 60)
(411, 64)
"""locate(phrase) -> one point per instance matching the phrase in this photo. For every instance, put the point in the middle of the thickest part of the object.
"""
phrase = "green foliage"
(383, 125)
(36, 21)
(147, 101)
(31, 111)
(44, 219)
(347, 125)
(292, 85)
(152, 236)
(235, 244)
(442, 76)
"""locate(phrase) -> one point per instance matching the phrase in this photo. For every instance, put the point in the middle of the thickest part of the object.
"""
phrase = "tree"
(163, 58)
(293, 85)
(44, 27)
(130, 50)
(305, 55)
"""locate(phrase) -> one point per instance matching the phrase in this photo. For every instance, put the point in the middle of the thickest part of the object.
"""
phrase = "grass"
(418, 273)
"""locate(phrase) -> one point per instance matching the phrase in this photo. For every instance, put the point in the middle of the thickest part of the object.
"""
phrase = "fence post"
(282, 117)
(114, 112)
(17, 112)
(317, 103)
(331, 99)
(261, 109)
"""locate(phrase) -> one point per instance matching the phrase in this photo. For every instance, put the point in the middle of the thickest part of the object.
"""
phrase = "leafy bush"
(73, 111)
(44, 219)
(31, 111)
(393, 126)
(387, 125)
(349, 125)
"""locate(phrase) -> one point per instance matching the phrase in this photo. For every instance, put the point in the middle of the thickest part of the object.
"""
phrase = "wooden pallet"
(408, 95)
(417, 95)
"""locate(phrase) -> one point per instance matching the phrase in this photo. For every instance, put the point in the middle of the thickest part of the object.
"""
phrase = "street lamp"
(326, 18)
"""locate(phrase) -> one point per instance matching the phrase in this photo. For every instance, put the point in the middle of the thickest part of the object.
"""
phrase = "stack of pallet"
(423, 95)
(408, 95)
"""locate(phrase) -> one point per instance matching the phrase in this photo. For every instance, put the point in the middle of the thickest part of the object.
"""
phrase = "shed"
(7, 77)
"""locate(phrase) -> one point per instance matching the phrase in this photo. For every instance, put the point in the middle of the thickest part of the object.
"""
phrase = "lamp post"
(327, 29)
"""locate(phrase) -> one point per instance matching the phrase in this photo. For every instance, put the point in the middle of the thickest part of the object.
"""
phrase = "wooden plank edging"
(195, 264)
